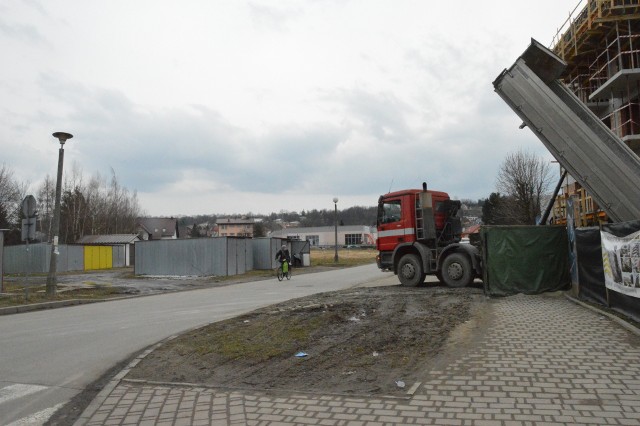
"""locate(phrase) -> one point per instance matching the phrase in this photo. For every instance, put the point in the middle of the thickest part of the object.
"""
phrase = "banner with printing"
(621, 261)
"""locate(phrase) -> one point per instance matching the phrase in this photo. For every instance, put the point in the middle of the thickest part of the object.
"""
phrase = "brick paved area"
(545, 361)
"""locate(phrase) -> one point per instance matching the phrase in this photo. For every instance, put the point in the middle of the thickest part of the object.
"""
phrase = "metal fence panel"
(241, 254)
(232, 256)
(261, 249)
(118, 256)
(199, 257)
(19, 259)
(36, 260)
(244, 255)
(73, 258)
(248, 255)
(218, 257)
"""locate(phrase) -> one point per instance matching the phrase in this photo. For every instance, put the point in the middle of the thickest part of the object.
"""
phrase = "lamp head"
(62, 137)
(335, 200)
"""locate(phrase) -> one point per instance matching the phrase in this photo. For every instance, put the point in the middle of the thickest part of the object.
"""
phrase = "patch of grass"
(254, 341)
(256, 273)
(346, 257)
(16, 294)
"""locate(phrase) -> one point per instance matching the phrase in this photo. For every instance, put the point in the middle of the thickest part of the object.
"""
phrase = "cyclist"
(282, 255)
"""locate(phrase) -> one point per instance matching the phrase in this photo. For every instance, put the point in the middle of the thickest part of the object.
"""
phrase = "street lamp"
(53, 264)
(335, 203)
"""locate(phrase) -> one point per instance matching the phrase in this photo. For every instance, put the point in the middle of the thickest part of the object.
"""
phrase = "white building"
(324, 236)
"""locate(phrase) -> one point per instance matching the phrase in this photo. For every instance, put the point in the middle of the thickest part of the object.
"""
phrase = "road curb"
(97, 402)
(627, 325)
(44, 305)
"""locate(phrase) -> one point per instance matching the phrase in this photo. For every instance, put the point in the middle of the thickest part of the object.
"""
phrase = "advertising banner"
(621, 262)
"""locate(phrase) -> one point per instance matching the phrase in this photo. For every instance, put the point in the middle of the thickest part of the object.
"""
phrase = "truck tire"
(456, 270)
(410, 270)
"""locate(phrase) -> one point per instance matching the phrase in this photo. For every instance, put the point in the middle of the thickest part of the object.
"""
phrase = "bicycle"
(284, 270)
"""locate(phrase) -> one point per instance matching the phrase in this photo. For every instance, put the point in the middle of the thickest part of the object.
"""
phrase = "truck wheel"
(456, 270)
(410, 271)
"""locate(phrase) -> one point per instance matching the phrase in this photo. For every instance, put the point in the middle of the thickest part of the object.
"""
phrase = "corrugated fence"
(190, 257)
(35, 258)
(194, 257)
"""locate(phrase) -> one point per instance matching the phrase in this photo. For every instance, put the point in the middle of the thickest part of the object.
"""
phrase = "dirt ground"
(363, 341)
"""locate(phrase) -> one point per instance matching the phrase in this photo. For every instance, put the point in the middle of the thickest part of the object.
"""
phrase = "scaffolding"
(600, 42)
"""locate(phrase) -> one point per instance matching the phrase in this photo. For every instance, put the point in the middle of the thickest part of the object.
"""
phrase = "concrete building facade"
(600, 42)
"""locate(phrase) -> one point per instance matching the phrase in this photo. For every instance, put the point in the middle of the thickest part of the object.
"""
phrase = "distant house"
(157, 228)
(235, 227)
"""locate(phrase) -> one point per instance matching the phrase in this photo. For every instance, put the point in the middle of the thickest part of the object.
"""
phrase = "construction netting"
(590, 274)
(608, 266)
(524, 259)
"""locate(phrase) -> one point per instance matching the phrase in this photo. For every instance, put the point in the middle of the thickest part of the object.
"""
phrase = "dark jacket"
(281, 255)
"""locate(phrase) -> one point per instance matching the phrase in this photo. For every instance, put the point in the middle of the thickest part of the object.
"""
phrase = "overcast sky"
(259, 106)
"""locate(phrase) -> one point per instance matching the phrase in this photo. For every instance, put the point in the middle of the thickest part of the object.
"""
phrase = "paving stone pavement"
(544, 361)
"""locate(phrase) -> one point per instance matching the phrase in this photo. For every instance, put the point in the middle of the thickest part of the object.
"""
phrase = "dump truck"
(583, 145)
(419, 231)
(419, 234)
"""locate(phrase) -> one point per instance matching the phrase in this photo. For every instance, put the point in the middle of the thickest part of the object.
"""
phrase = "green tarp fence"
(524, 259)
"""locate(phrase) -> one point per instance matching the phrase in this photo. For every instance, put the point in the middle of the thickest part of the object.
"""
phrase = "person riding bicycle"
(282, 255)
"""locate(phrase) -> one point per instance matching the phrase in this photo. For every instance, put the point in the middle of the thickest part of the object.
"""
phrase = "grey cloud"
(151, 148)
(382, 114)
(288, 158)
(22, 32)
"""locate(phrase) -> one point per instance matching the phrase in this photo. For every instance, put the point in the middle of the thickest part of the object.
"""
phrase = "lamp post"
(335, 203)
(53, 265)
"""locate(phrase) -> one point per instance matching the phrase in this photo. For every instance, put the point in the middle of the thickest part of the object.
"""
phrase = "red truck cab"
(397, 216)
(419, 234)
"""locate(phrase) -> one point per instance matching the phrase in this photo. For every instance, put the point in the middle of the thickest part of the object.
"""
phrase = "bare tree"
(10, 191)
(46, 196)
(524, 179)
(73, 211)
(93, 208)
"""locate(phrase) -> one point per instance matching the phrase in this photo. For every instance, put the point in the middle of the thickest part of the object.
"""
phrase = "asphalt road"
(47, 357)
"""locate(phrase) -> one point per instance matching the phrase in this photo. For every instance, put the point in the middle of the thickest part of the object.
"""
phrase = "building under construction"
(600, 42)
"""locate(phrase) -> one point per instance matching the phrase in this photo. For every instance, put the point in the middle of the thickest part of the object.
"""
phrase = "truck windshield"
(389, 211)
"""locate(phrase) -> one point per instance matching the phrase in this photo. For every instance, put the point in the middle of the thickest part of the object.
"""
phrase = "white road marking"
(37, 419)
(18, 390)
